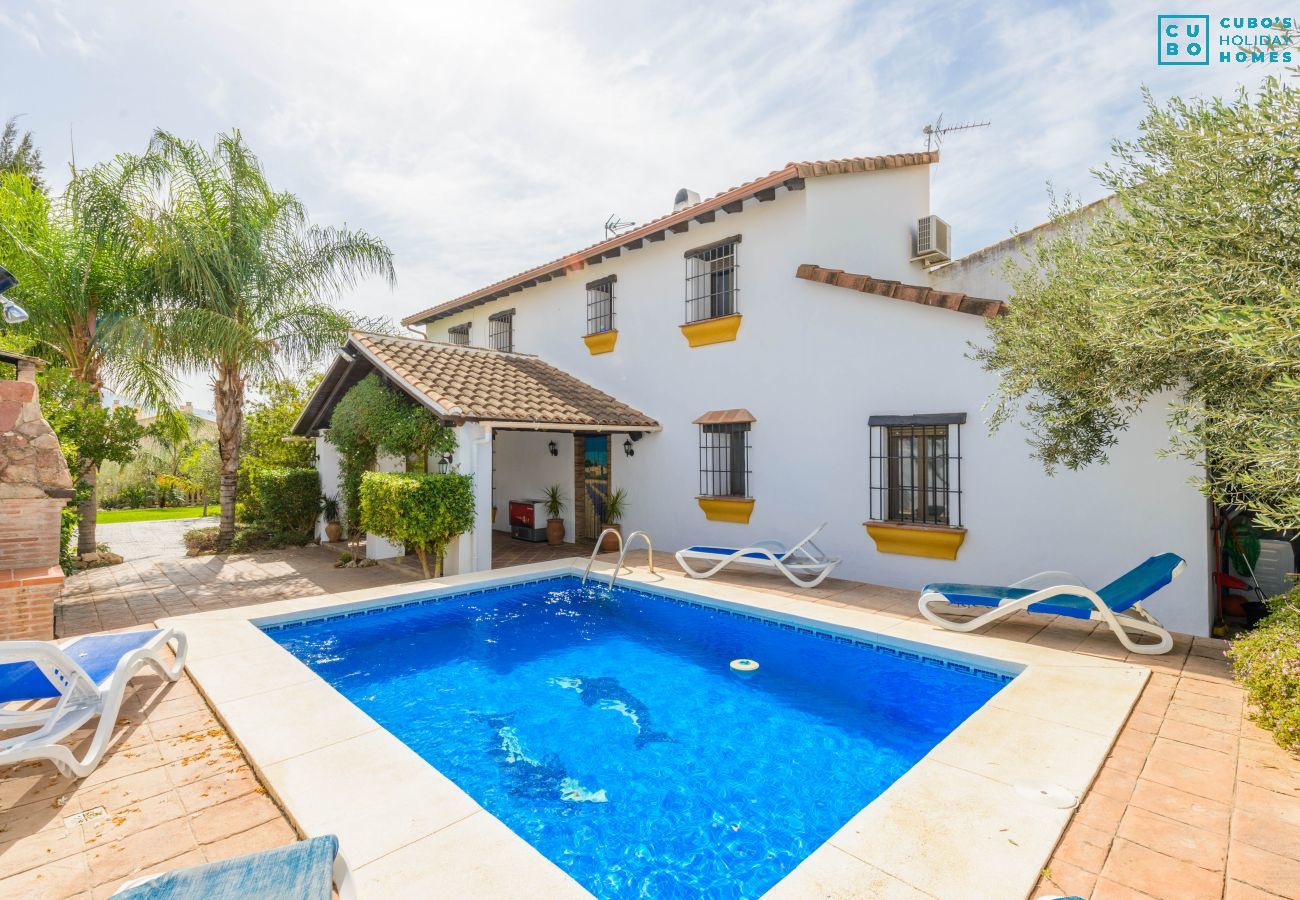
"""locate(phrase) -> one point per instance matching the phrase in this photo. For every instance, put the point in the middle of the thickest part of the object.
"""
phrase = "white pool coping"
(962, 822)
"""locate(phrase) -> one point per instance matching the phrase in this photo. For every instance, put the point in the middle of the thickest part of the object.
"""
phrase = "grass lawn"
(106, 516)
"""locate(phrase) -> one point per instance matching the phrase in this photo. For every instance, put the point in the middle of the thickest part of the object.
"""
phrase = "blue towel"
(301, 871)
(98, 654)
(1131, 588)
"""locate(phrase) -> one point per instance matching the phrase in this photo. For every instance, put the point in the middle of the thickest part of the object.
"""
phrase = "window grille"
(459, 334)
(600, 305)
(501, 330)
(711, 280)
(915, 469)
(724, 460)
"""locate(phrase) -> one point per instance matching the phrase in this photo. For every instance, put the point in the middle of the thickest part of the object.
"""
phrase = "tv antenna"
(615, 225)
(934, 133)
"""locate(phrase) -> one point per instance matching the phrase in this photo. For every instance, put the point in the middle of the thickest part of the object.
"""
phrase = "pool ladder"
(623, 547)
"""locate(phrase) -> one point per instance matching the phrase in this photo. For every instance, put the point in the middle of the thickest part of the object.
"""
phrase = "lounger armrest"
(49, 657)
(1049, 579)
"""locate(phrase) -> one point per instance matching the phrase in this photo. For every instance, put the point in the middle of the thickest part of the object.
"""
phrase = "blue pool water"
(607, 729)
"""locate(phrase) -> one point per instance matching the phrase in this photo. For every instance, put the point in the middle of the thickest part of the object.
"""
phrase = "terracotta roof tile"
(789, 176)
(725, 417)
(912, 293)
(490, 385)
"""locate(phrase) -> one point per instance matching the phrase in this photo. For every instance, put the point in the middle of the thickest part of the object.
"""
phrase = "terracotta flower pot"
(333, 532)
(554, 531)
(609, 544)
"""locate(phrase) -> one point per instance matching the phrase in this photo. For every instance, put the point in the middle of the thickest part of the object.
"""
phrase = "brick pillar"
(32, 469)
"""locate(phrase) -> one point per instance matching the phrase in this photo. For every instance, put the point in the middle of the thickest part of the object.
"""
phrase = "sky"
(479, 139)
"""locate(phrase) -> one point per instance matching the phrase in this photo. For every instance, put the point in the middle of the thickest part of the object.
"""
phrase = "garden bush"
(288, 500)
(425, 512)
(1266, 661)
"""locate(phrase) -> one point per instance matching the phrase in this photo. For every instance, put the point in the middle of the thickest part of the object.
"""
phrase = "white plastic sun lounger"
(804, 564)
(1118, 604)
(87, 677)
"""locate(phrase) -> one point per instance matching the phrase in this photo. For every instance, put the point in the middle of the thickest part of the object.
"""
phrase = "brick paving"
(1194, 801)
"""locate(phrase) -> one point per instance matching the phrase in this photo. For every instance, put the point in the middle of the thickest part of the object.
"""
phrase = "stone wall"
(32, 468)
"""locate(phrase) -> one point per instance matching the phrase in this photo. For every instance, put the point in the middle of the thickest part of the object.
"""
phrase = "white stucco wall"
(327, 464)
(812, 363)
(525, 468)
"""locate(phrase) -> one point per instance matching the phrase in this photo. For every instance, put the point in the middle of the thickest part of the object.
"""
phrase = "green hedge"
(287, 499)
(425, 512)
(1266, 661)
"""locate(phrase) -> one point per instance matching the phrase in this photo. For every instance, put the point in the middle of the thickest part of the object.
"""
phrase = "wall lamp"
(553, 448)
(628, 449)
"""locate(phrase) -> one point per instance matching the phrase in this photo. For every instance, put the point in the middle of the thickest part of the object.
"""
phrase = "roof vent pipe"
(685, 197)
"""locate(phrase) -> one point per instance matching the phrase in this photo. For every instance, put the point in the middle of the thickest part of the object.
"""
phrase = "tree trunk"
(424, 560)
(87, 509)
(228, 399)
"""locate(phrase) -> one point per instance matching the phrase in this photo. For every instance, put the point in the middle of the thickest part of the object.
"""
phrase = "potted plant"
(553, 500)
(615, 509)
(329, 508)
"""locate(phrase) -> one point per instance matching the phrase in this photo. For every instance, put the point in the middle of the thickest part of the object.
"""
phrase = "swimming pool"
(607, 729)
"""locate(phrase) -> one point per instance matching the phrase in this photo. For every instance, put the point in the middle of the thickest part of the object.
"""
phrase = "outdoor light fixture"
(13, 313)
(444, 464)
(628, 450)
(555, 450)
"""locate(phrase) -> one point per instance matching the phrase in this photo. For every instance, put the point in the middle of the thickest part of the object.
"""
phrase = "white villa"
(753, 364)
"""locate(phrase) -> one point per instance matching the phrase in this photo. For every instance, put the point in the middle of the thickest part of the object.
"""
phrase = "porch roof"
(461, 383)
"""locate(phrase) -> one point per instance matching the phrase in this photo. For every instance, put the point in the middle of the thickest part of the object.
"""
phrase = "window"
(916, 469)
(711, 280)
(600, 305)
(459, 334)
(724, 453)
(501, 330)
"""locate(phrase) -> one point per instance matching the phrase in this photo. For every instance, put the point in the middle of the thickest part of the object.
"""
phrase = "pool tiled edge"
(966, 820)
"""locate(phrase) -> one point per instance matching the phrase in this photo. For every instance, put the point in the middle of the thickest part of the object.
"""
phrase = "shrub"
(1266, 661)
(423, 511)
(68, 519)
(201, 540)
(288, 500)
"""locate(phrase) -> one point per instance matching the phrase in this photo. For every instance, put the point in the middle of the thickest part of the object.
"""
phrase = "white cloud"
(480, 139)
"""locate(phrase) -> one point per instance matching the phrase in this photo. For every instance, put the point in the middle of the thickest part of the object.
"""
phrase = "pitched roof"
(730, 201)
(471, 383)
(725, 417)
(912, 293)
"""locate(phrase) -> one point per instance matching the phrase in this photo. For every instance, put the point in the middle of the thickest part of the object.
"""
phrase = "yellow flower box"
(712, 331)
(932, 541)
(602, 342)
(726, 509)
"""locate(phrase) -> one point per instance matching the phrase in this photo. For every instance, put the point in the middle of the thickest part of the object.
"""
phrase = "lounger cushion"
(1132, 587)
(727, 551)
(301, 871)
(98, 654)
(987, 595)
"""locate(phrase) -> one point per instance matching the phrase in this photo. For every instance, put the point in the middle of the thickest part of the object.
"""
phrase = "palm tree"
(248, 279)
(83, 279)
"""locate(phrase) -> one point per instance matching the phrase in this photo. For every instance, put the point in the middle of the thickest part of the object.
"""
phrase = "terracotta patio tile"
(1114, 784)
(1239, 890)
(1267, 819)
(1126, 760)
(1227, 706)
(1268, 766)
(1172, 773)
(1158, 875)
(1134, 740)
(1259, 868)
(120, 792)
(1111, 890)
(1206, 667)
(1143, 722)
(1181, 806)
(233, 816)
(64, 878)
(1184, 712)
(1209, 762)
(134, 817)
(138, 851)
(1174, 838)
(202, 765)
(1199, 736)
(1064, 879)
(1211, 689)
(1083, 846)
(36, 849)
(268, 835)
(218, 789)
(1100, 812)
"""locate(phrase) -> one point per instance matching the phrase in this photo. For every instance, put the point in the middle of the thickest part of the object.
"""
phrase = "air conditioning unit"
(933, 241)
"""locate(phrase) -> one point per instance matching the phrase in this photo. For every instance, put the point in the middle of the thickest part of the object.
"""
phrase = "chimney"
(685, 197)
(188, 409)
